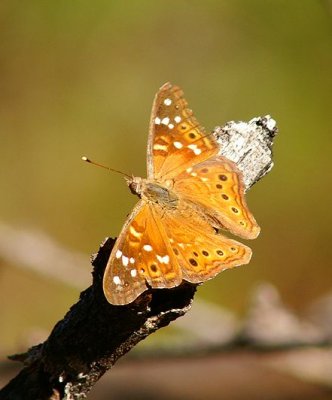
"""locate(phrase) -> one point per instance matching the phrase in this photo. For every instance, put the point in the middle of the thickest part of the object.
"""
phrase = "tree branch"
(94, 334)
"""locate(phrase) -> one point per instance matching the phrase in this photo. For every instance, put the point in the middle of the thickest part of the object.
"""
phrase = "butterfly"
(190, 192)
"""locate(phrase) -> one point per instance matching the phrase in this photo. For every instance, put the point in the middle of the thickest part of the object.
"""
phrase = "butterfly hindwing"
(176, 140)
(199, 250)
(215, 187)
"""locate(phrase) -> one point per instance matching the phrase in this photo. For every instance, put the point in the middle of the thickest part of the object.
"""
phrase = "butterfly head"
(135, 184)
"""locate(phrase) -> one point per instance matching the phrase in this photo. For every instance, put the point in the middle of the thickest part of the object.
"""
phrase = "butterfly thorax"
(153, 191)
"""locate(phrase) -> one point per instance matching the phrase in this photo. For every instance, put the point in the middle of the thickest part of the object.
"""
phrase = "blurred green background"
(78, 78)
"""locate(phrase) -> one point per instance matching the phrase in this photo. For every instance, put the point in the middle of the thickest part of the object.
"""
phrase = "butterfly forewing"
(215, 188)
(176, 140)
(140, 256)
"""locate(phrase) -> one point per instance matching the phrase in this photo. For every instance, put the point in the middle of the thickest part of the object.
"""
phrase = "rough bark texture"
(94, 334)
(249, 145)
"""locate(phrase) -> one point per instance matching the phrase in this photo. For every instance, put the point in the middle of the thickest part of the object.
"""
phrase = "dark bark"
(91, 338)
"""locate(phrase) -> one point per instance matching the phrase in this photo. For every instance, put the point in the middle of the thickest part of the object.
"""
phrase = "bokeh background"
(78, 78)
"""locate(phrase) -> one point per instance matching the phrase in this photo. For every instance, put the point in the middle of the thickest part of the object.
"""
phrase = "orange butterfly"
(190, 191)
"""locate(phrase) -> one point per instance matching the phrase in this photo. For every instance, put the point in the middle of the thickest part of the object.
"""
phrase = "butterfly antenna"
(86, 159)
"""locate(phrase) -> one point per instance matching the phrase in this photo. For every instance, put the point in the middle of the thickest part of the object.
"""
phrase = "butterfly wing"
(159, 247)
(140, 256)
(215, 188)
(179, 149)
(199, 250)
(176, 140)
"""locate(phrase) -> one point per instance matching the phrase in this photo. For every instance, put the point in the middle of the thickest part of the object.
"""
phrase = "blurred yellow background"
(78, 78)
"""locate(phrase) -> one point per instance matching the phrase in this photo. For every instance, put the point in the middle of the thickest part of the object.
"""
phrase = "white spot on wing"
(171, 126)
(195, 149)
(157, 121)
(165, 121)
(134, 232)
(131, 260)
(167, 102)
(118, 254)
(163, 259)
(125, 261)
(133, 273)
(116, 280)
(161, 147)
(147, 247)
(177, 119)
(178, 145)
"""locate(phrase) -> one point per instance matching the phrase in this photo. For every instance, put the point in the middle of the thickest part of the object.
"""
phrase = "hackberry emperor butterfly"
(189, 191)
